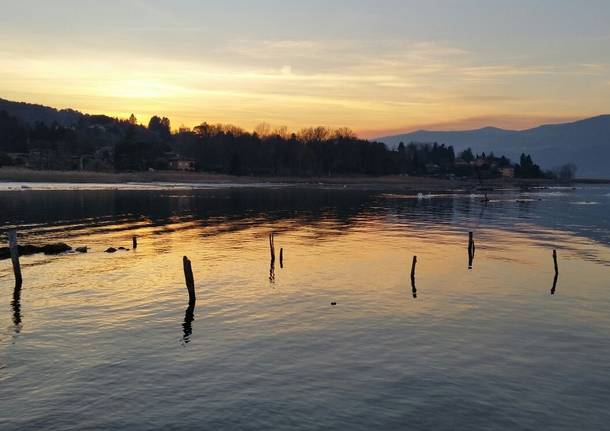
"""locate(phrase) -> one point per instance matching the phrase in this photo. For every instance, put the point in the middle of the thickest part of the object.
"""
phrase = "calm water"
(105, 341)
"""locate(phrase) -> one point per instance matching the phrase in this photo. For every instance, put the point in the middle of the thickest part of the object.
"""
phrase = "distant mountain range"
(585, 143)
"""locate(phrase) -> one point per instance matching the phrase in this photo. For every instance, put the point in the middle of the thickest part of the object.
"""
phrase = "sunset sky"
(376, 66)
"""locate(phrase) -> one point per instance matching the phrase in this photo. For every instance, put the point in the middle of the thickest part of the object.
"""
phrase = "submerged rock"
(56, 248)
(81, 249)
(28, 249)
(115, 249)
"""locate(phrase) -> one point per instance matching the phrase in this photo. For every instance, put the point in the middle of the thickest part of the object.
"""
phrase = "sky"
(378, 67)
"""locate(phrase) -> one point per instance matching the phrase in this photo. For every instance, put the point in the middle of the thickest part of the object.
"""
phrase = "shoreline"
(190, 179)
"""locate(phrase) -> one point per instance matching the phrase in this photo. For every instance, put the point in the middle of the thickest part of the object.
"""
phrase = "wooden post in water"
(282, 258)
(189, 279)
(134, 242)
(413, 267)
(413, 288)
(14, 250)
(554, 288)
(471, 249)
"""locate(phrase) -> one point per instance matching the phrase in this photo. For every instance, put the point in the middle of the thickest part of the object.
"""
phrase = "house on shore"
(178, 163)
(508, 172)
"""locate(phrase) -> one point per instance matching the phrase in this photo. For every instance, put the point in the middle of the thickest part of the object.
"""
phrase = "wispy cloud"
(501, 71)
(368, 85)
(593, 69)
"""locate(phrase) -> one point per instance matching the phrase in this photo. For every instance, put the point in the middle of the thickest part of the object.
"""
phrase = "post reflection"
(413, 288)
(471, 250)
(272, 263)
(187, 326)
(16, 305)
(554, 288)
(272, 271)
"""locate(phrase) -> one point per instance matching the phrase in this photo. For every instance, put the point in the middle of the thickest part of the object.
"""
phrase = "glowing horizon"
(376, 69)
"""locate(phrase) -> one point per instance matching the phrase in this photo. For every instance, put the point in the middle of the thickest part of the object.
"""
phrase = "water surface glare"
(102, 341)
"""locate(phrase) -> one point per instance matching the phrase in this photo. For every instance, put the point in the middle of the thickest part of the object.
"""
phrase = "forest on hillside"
(102, 143)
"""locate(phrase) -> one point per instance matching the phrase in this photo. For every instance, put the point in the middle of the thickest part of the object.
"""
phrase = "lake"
(101, 341)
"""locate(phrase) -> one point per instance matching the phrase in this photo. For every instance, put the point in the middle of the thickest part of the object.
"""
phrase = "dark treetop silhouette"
(43, 138)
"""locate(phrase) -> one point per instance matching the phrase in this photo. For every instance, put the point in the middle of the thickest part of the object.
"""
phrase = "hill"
(585, 143)
(31, 113)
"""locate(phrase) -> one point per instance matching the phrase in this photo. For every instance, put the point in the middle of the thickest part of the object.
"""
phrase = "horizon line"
(513, 123)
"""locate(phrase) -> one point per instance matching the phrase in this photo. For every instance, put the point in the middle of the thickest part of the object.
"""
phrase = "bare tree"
(566, 172)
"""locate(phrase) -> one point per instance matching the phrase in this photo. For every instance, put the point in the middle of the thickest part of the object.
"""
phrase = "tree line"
(98, 142)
